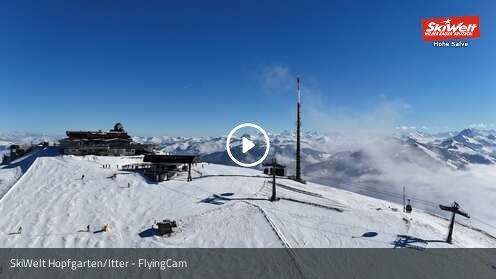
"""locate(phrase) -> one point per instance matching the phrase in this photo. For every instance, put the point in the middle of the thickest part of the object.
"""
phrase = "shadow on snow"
(223, 198)
(407, 241)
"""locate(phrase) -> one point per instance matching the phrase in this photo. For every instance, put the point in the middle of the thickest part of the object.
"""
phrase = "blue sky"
(201, 68)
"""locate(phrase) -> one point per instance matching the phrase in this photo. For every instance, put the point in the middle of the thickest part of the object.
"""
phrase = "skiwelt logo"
(450, 28)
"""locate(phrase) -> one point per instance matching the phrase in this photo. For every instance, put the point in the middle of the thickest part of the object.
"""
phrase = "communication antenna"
(298, 130)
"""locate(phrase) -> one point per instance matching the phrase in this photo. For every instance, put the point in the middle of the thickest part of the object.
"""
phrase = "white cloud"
(479, 126)
(379, 119)
(277, 79)
(406, 128)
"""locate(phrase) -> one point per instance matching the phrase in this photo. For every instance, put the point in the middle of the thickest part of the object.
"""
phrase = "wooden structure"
(163, 167)
(115, 142)
(455, 209)
(165, 227)
(136, 166)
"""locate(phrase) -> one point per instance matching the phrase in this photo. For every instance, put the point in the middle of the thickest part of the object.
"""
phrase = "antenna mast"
(298, 128)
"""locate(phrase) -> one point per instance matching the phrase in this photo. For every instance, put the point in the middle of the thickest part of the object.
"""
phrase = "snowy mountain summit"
(223, 206)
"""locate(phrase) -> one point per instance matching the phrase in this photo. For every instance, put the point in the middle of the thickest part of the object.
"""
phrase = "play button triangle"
(247, 145)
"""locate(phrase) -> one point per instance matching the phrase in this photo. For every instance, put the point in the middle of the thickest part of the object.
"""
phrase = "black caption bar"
(248, 263)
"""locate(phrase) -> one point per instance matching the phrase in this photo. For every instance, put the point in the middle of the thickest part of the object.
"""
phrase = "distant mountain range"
(371, 165)
(330, 153)
(7, 139)
(434, 168)
(337, 152)
(25, 138)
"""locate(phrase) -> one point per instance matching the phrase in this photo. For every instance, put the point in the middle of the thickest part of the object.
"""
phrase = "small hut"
(269, 169)
(165, 227)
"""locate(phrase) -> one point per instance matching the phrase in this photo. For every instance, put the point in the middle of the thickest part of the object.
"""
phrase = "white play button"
(248, 142)
(247, 145)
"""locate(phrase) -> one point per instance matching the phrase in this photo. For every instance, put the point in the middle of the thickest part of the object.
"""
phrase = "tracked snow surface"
(223, 206)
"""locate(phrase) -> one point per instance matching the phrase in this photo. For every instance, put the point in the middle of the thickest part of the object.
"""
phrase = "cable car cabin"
(408, 207)
(165, 227)
(269, 168)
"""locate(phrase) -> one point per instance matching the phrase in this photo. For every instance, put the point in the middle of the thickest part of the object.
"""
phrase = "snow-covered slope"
(10, 173)
(222, 207)
(434, 168)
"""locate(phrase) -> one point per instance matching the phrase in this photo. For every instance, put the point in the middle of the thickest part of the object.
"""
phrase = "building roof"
(74, 135)
(271, 165)
(117, 133)
(178, 159)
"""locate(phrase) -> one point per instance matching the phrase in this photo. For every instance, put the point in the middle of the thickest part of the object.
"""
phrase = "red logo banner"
(450, 28)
